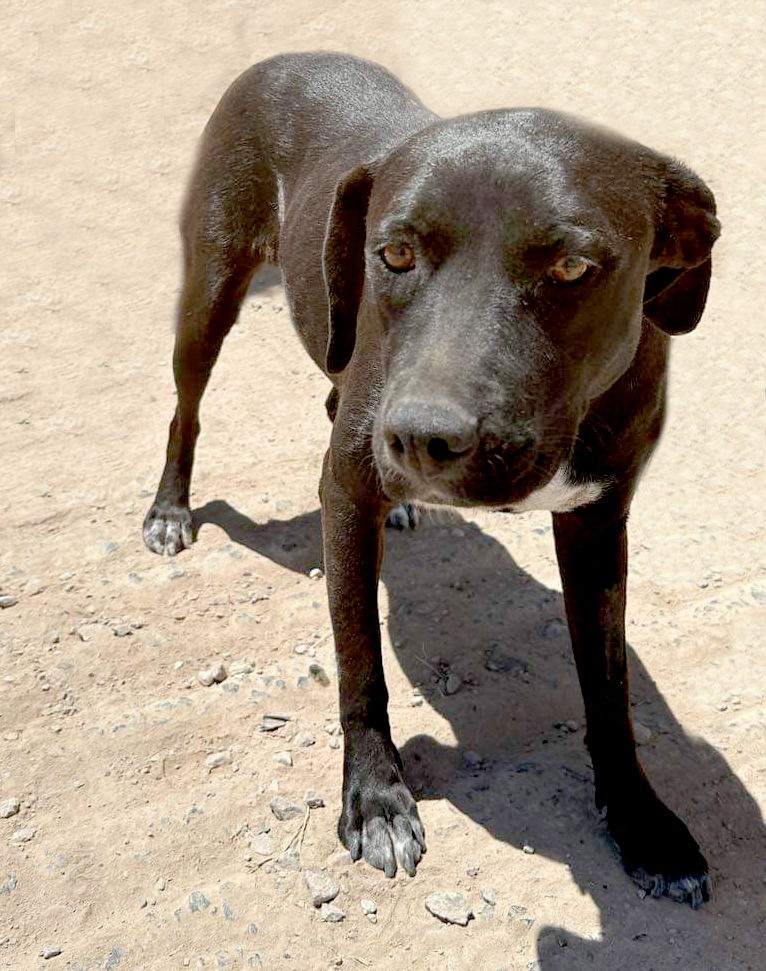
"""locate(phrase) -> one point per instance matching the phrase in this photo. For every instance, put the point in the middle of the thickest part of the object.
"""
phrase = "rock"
(318, 674)
(213, 675)
(642, 732)
(304, 740)
(489, 896)
(283, 758)
(9, 884)
(240, 667)
(528, 849)
(451, 908)
(416, 701)
(51, 637)
(334, 742)
(369, 907)
(198, 902)
(338, 859)
(9, 807)
(453, 683)
(300, 648)
(284, 809)
(290, 859)
(7, 601)
(331, 914)
(312, 799)
(217, 759)
(122, 630)
(321, 886)
(262, 845)
(333, 728)
(23, 835)
(315, 573)
(33, 586)
(50, 952)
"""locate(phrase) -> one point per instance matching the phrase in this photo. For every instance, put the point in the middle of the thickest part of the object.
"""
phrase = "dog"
(492, 297)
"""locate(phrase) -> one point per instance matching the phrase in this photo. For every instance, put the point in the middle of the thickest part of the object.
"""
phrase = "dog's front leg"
(379, 820)
(657, 849)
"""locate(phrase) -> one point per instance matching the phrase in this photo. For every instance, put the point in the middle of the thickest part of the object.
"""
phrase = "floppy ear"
(343, 258)
(676, 289)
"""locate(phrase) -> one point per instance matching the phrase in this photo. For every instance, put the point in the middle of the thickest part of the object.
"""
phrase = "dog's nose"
(428, 436)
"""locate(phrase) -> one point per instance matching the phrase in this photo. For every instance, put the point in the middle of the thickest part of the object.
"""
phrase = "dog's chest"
(560, 494)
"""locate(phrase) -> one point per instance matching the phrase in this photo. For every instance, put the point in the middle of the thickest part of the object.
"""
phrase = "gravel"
(50, 952)
(284, 809)
(217, 759)
(213, 675)
(318, 673)
(312, 799)
(283, 758)
(449, 907)
(9, 807)
(369, 907)
(321, 886)
(331, 914)
(23, 835)
(304, 740)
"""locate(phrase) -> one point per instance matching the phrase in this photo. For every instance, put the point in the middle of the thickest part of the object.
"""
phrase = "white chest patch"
(560, 494)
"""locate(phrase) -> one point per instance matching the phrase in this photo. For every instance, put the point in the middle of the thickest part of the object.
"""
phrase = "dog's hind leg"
(229, 228)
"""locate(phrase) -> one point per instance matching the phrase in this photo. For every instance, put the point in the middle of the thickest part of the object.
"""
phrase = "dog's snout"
(427, 436)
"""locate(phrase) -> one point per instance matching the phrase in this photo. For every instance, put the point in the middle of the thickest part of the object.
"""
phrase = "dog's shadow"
(460, 605)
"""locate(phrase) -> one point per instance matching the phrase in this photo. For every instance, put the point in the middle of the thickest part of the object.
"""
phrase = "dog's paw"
(380, 820)
(404, 516)
(659, 853)
(168, 529)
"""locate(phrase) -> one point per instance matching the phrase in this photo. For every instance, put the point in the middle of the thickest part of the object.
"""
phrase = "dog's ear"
(343, 259)
(686, 228)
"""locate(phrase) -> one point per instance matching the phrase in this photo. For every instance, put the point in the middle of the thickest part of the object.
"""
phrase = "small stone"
(217, 759)
(642, 732)
(331, 914)
(321, 886)
(339, 859)
(453, 683)
(333, 728)
(290, 859)
(283, 758)
(33, 586)
(334, 742)
(489, 896)
(304, 740)
(300, 648)
(312, 799)
(213, 675)
(160, 884)
(571, 725)
(369, 907)
(198, 902)
(472, 871)
(143, 902)
(50, 952)
(9, 807)
(51, 637)
(240, 667)
(528, 849)
(315, 573)
(7, 601)
(177, 665)
(23, 835)
(262, 845)
(318, 674)
(122, 630)
(9, 884)
(284, 809)
(270, 723)
(451, 908)
(416, 701)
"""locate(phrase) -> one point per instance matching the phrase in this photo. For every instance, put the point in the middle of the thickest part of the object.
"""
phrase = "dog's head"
(495, 271)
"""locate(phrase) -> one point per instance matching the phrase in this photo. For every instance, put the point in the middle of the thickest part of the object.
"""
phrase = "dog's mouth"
(494, 475)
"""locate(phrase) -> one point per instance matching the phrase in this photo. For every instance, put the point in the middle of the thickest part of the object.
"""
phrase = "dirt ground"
(132, 848)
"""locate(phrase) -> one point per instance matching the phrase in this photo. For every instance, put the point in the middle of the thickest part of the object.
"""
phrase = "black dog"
(491, 296)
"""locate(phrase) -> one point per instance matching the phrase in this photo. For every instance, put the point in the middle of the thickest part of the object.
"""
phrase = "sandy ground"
(134, 852)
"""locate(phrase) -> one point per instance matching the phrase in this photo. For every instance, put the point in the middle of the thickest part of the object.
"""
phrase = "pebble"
(334, 742)
(9, 807)
(270, 723)
(33, 586)
(198, 902)
(160, 884)
(304, 740)
(283, 758)
(453, 684)
(321, 886)
(240, 667)
(50, 952)
(369, 907)
(489, 896)
(528, 849)
(315, 573)
(333, 728)
(290, 859)
(318, 673)
(122, 630)
(23, 835)
(214, 675)
(284, 809)
(262, 845)
(313, 800)
(331, 914)
(7, 601)
(451, 908)
(416, 701)
(300, 648)
(51, 637)
(217, 759)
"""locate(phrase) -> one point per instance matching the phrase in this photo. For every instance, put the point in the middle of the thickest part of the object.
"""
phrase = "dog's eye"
(569, 268)
(398, 257)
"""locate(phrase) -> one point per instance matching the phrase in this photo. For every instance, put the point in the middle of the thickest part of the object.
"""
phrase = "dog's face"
(500, 280)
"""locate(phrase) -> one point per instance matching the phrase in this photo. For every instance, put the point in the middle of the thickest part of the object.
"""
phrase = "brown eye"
(398, 257)
(569, 268)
